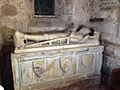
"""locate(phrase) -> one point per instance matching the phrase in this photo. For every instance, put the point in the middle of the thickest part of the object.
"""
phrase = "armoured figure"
(75, 35)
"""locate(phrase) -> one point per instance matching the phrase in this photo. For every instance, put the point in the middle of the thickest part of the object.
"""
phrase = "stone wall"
(109, 11)
(15, 14)
(18, 15)
(21, 11)
(82, 11)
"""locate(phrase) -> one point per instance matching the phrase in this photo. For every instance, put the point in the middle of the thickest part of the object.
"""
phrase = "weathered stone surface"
(18, 15)
(81, 11)
(15, 15)
(8, 10)
(56, 67)
(7, 33)
(110, 26)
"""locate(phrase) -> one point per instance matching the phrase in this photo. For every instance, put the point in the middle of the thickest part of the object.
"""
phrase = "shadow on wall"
(6, 36)
(5, 68)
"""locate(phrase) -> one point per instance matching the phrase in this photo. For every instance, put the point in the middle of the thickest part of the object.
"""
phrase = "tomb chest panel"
(38, 68)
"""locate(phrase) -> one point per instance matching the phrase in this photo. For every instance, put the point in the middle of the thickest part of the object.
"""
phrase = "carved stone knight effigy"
(56, 58)
(80, 34)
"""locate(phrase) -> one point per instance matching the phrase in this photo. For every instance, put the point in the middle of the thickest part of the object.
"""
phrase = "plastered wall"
(18, 15)
(109, 28)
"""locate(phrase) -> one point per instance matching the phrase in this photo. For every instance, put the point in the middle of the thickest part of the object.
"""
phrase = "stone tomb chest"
(54, 66)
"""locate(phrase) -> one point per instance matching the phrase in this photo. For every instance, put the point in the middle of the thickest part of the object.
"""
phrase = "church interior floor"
(77, 86)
